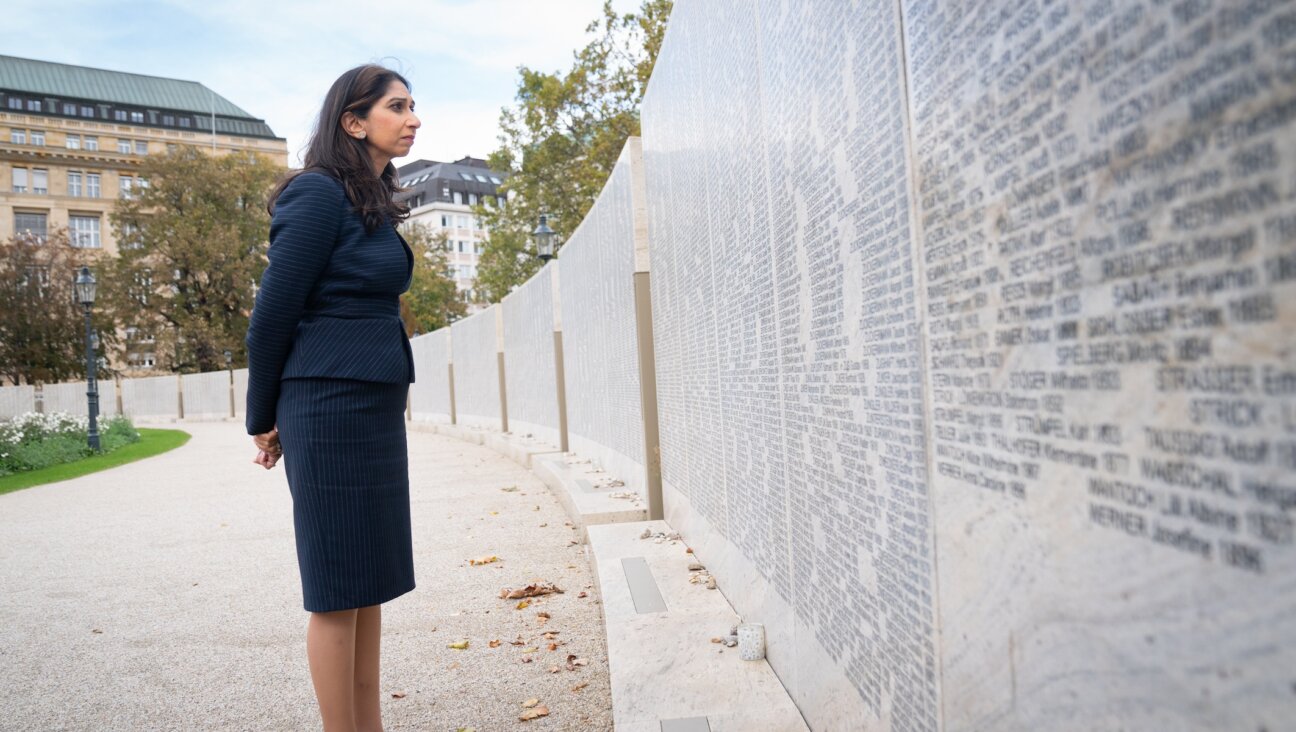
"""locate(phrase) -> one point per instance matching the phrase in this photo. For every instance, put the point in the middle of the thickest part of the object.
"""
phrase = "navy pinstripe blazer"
(329, 303)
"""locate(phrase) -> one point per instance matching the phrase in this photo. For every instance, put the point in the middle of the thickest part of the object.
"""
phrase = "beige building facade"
(72, 138)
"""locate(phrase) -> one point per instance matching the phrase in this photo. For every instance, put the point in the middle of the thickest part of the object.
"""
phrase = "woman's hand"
(268, 448)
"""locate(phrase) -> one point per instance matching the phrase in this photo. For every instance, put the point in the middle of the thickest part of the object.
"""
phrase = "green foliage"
(42, 328)
(193, 244)
(562, 139)
(151, 442)
(33, 441)
(433, 300)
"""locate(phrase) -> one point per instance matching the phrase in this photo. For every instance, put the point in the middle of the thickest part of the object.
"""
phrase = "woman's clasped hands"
(268, 448)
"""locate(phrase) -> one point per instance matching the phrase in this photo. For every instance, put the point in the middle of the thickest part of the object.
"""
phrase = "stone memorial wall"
(529, 367)
(600, 355)
(16, 400)
(476, 372)
(70, 398)
(151, 397)
(430, 393)
(207, 396)
(974, 360)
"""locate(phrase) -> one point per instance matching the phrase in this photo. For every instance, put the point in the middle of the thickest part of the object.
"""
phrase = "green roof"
(82, 82)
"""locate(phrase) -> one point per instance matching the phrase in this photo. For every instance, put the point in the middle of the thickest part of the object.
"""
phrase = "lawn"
(152, 442)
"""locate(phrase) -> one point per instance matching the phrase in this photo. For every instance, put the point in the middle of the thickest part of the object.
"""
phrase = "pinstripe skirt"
(348, 470)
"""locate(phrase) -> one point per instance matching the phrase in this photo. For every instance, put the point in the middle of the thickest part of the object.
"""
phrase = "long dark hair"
(332, 151)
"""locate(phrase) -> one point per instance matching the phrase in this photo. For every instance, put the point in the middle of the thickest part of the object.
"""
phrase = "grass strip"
(152, 442)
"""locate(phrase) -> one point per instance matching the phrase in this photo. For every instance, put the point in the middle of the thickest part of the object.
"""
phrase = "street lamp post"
(544, 237)
(229, 366)
(85, 290)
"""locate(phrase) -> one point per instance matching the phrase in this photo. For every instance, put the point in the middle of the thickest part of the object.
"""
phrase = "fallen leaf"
(554, 669)
(580, 686)
(466, 729)
(553, 646)
(518, 642)
(398, 695)
(532, 649)
(544, 616)
(583, 594)
(536, 713)
(459, 646)
(716, 640)
(495, 643)
(530, 703)
(509, 489)
(96, 631)
(543, 525)
(483, 560)
(573, 662)
(524, 604)
(531, 590)
(494, 513)
(550, 635)
(526, 660)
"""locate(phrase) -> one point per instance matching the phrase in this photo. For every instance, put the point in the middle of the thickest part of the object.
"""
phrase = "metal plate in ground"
(687, 724)
(643, 588)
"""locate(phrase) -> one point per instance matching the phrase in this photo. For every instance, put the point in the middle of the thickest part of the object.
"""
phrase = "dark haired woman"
(329, 369)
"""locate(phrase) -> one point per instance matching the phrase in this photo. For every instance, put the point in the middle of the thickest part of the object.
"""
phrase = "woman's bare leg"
(368, 714)
(330, 647)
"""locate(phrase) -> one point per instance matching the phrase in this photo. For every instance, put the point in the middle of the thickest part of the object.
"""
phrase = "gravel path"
(164, 595)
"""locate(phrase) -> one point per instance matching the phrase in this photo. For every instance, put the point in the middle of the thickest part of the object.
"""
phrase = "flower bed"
(33, 440)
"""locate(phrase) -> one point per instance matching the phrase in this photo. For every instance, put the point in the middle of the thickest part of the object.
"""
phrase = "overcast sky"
(276, 58)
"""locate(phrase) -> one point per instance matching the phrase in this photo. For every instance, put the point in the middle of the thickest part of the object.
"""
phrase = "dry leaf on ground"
(398, 695)
(531, 590)
(573, 662)
(495, 643)
(509, 489)
(459, 646)
(483, 560)
(530, 703)
(536, 713)
(523, 605)
(554, 669)
(580, 686)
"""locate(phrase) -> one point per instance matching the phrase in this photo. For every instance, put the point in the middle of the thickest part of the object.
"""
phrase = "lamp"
(544, 237)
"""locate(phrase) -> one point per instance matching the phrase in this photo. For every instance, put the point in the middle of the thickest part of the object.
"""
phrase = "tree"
(562, 139)
(433, 300)
(42, 326)
(193, 243)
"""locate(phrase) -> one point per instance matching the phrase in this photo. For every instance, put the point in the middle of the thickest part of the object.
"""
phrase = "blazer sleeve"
(303, 231)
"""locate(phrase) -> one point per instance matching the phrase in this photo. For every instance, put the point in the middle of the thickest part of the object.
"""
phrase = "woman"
(329, 369)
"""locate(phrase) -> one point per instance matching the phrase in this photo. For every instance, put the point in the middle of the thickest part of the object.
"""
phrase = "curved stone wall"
(604, 415)
(430, 392)
(529, 368)
(476, 370)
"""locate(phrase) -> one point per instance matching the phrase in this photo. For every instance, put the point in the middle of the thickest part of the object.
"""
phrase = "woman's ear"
(353, 126)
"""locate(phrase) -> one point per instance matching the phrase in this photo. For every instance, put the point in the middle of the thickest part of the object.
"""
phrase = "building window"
(33, 105)
(465, 176)
(19, 180)
(461, 222)
(87, 111)
(74, 183)
(124, 184)
(141, 147)
(15, 103)
(124, 147)
(495, 180)
(458, 197)
(184, 121)
(137, 117)
(18, 137)
(92, 185)
(31, 224)
(74, 142)
(445, 221)
(85, 231)
(478, 248)
(119, 115)
(168, 120)
(131, 237)
(461, 246)
(171, 147)
(472, 199)
(38, 137)
(69, 109)
(40, 181)
(91, 142)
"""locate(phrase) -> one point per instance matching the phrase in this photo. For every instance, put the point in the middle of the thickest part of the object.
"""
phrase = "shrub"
(32, 441)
